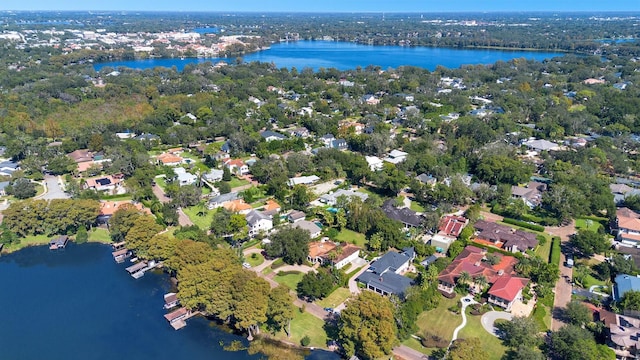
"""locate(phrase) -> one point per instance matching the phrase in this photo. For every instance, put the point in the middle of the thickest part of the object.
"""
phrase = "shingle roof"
(404, 215)
(389, 282)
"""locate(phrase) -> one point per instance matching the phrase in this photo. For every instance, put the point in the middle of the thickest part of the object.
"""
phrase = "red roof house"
(505, 290)
(452, 225)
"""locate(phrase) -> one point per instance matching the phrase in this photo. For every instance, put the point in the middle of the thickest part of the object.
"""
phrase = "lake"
(345, 55)
(77, 303)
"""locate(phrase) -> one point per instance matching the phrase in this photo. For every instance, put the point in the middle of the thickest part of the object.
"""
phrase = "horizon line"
(333, 12)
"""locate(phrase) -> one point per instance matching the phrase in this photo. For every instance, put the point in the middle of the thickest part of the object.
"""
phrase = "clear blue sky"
(325, 5)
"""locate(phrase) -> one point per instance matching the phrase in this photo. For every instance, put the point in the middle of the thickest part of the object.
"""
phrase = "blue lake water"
(345, 55)
(78, 304)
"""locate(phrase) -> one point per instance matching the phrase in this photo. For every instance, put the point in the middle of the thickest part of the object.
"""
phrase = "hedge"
(524, 224)
(554, 256)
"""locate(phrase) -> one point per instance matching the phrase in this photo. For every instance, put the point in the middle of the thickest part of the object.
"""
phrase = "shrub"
(305, 341)
(524, 224)
(430, 340)
(81, 235)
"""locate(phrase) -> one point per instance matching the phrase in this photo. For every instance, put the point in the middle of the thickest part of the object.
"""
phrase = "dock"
(178, 318)
(118, 245)
(170, 300)
(137, 270)
(59, 243)
(120, 255)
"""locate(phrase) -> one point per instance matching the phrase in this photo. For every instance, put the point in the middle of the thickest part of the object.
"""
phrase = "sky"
(424, 6)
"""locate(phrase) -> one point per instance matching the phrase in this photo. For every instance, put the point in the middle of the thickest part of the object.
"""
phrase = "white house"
(183, 177)
(375, 163)
(348, 254)
(332, 198)
(214, 175)
(258, 222)
(304, 180)
(396, 157)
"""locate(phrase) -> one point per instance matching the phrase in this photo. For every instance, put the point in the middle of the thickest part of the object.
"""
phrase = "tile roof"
(508, 287)
(237, 205)
(471, 261)
(452, 225)
(320, 248)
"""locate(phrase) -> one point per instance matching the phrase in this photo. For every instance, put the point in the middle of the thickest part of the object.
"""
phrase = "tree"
(367, 326)
(226, 174)
(21, 188)
(575, 343)
(280, 309)
(315, 285)
(122, 221)
(251, 298)
(590, 242)
(630, 300)
(292, 244)
(300, 198)
(467, 349)
(81, 235)
(523, 352)
(375, 242)
(578, 314)
(142, 230)
(520, 331)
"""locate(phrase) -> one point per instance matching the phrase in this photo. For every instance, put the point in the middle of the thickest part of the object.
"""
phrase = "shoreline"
(9, 249)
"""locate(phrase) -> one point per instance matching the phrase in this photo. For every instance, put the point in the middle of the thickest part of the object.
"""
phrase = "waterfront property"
(170, 300)
(120, 255)
(59, 243)
(177, 318)
(137, 270)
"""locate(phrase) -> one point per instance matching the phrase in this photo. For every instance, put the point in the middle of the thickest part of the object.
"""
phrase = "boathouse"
(170, 300)
(59, 243)
(120, 255)
(177, 318)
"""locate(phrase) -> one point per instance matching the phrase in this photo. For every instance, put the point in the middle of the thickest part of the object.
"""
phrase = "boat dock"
(170, 300)
(137, 270)
(178, 318)
(120, 255)
(118, 245)
(59, 243)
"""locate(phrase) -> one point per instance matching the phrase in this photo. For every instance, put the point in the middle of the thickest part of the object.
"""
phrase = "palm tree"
(464, 278)
(481, 282)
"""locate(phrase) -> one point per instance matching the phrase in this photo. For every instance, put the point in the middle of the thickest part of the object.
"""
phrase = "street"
(52, 189)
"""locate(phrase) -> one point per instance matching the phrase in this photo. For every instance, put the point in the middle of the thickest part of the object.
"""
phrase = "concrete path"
(183, 219)
(466, 301)
(407, 353)
(159, 193)
(353, 284)
(490, 318)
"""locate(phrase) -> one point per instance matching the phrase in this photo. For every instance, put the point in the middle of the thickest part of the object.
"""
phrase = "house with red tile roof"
(236, 166)
(169, 159)
(628, 226)
(452, 225)
(474, 262)
(506, 290)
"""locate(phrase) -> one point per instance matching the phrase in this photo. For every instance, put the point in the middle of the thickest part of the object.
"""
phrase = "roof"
(320, 248)
(471, 260)
(108, 208)
(541, 144)
(391, 261)
(224, 198)
(625, 283)
(397, 153)
(620, 188)
(102, 181)
(268, 134)
(389, 282)
(167, 158)
(506, 235)
(60, 240)
(237, 205)
(404, 215)
(272, 205)
(508, 287)
(296, 214)
(332, 197)
(303, 180)
(4, 184)
(452, 225)
(311, 227)
(176, 314)
(628, 219)
(254, 216)
(428, 261)
(346, 251)
(81, 155)
(425, 179)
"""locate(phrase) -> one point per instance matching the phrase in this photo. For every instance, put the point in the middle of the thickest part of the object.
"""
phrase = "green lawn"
(203, 222)
(123, 197)
(290, 280)
(440, 321)
(29, 241)
(161, 181)
(254, 259)
(309, 325)
(352, 237)
(417, 346)
(544, 250)
(542, 316)
(235, 182)
(337, 297)
(99, 235)
(416, 207)
(589, 224)
(491, 344)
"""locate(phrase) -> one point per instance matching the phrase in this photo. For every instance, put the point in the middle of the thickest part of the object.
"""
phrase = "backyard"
(352, 237)
(203, 222)
(439, 321)
(306, 324)
(289, 279)
(491, 344)
(254, 259)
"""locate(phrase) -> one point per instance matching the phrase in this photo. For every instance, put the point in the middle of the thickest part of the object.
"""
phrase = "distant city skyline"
(425, 6)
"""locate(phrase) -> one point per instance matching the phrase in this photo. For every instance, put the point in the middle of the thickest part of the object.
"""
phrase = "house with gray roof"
(332, 198)
(313, 229)
(269, 135)
(258, 222)
(384, 275)
(214, 175)
(218, 201)
(408, 217)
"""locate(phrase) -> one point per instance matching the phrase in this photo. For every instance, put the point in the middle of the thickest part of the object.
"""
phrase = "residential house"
(531, 194)
(104, 183)
(327, 139)
(627, 226)
(271, 207)
(541, 145)
(396, 156)
(370, 99)
(183, 177)
(8, 167)
(295, 216)
(408, 218)
(236, 166)
(345, 255)
(84, 159)
(258, 222)
(340, 144)
(429, 260)
(238, 206)
(319, 251)
(623, 284)
(108, 208)
(214, 175)
(303, 180)
(272, 136)
(504, 237)
(220, 200)
(620, 192)
(624, 334)
(449, 229)
(384, 275)
(127, 134)
(346, 125)
(427, 179)
(473, 261)
(301, 132)
(59, 242)
(332, 198)
(169, 159)
(313, 229)
(148, 137)
(374, 162)
(506, 290)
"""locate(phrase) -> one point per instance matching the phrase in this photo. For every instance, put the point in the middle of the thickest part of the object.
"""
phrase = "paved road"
(407, 353)
(563, 287)
(490, 318)
(53, 189)
(183, 219)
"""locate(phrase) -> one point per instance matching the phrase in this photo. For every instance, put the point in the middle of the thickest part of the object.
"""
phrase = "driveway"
(407, 353)
(563, 286)
(488, 320)
(466, 301)
(353, 284)
(52, 190)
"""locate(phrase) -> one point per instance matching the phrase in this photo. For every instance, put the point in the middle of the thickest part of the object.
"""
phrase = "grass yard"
(123, 197)
(28, 241)
(254, 259)
(203, 222)
(491, 344)
(556, 251)
(352, 237)
(289, 279)
(161, 181)
(542, 316)
(417, 346)
(544, 250)
(416, 207)
(588, 224)
(235, 182)
(337, 297)
(306, 324)
(440, 321)
(99, 235)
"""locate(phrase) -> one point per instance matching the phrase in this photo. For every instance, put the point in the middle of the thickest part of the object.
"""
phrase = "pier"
(178, 318)
(59, 243)
(120, 255)
(137, 270)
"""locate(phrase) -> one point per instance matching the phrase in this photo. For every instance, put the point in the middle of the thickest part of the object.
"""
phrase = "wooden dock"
(178, 318)
(137, 270)
(120, 255)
